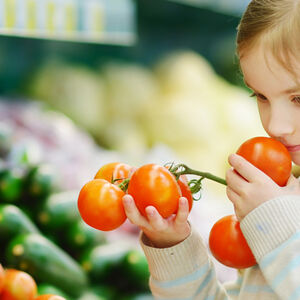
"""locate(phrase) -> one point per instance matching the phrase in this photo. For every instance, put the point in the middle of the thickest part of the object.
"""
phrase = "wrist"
(157, 241)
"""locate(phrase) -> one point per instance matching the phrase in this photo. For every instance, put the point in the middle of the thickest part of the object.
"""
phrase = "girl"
(268, 47)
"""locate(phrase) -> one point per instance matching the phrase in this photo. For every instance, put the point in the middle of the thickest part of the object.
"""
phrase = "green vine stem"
(182, 169)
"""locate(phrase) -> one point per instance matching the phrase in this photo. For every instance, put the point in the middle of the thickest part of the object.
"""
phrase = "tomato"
(49, 297)
(228, 244)
(18, 285)
(100, 205)
(1, 278)
(185, 190)
(268, 155)
(155, 185)
(114, 170)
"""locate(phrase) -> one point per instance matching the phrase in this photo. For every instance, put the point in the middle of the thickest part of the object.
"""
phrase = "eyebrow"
(291, 90)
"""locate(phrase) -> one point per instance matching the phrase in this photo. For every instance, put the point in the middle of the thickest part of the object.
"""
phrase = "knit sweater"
(272, 230)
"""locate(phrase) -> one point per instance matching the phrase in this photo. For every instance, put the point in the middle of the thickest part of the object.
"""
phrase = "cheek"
(264, 116)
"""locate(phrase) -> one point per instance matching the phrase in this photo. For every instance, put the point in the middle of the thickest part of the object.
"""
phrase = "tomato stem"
(182, 169)
(124, 185)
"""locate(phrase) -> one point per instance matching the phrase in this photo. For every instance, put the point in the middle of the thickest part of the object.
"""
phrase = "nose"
(280, 123)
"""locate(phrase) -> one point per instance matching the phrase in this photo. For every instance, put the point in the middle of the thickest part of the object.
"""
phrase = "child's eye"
(296, 99)
(260, 97)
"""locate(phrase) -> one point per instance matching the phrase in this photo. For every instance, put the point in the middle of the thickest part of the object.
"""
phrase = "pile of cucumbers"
(41, 233)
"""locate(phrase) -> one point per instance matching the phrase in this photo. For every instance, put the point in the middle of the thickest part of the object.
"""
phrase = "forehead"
(263, 71)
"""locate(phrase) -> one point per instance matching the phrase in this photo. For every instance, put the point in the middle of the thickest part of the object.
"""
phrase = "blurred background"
(87, 82)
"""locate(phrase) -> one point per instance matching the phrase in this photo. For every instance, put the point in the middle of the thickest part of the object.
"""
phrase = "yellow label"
(31, 15)
(50, 16)
(97, 17)
(71, 18)
(9, 13)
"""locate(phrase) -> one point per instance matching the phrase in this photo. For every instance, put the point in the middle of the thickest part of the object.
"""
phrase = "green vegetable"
(99, 292)
(41, 181)
(46, 262)
(14, 221)
(103, 262)
(135, 269)
(81, 236)
(59, 210)
(45, 288)
(11, 185)
(144, 296)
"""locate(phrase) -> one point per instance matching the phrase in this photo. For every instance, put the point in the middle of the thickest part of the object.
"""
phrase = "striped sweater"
(272, 230)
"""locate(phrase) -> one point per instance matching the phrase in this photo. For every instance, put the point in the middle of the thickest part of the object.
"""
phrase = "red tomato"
(185, 190)
(155, 185)
(114, 170)
(268, 155)
(100, 205)
(1, 278)
(18, 285)
(50, 297)
(228, 244)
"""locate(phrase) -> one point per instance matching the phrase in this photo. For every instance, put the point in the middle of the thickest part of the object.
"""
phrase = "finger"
(233, 196)
(155, 219)
(245, 168)
(133, 213)
(183, 211)
(235, 181)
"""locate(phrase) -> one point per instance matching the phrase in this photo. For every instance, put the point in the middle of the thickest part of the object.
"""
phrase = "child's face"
(278, 96)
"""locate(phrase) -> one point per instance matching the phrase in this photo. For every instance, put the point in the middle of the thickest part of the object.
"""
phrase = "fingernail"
(150, 211)
(127, 200)
(182, 200)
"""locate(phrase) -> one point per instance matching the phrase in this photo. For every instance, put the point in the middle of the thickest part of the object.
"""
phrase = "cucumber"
(45, 288)
(14, 221)
(11, 185)
(99, 292)
(145, 296)
(59, 210)
(82, 236)
(103, 262)
(41, 181)
(46, 262)
(134, 267)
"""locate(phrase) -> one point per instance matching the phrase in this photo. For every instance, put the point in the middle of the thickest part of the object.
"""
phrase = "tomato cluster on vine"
(100, 200)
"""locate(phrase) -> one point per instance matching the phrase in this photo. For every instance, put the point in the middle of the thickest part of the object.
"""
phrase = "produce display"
(158, 186)
(43, 237)
(180, 101)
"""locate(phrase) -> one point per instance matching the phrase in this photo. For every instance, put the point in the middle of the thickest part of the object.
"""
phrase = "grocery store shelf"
(93, 21)
(230, 7)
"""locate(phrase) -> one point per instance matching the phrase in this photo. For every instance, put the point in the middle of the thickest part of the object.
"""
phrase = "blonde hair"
(276, 24)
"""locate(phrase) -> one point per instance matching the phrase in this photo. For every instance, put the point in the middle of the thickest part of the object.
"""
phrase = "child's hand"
(248, 187)
(161, 232)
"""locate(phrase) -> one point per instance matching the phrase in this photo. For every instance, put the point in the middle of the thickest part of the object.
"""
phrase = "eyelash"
(296, 99)
(259, 96)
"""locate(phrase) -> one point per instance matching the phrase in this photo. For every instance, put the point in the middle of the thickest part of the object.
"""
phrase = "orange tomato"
(114, 170)
(100, 205)
(18, 285)
(155, 185)
(228, 244)
(49, 297)
(270, 156)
